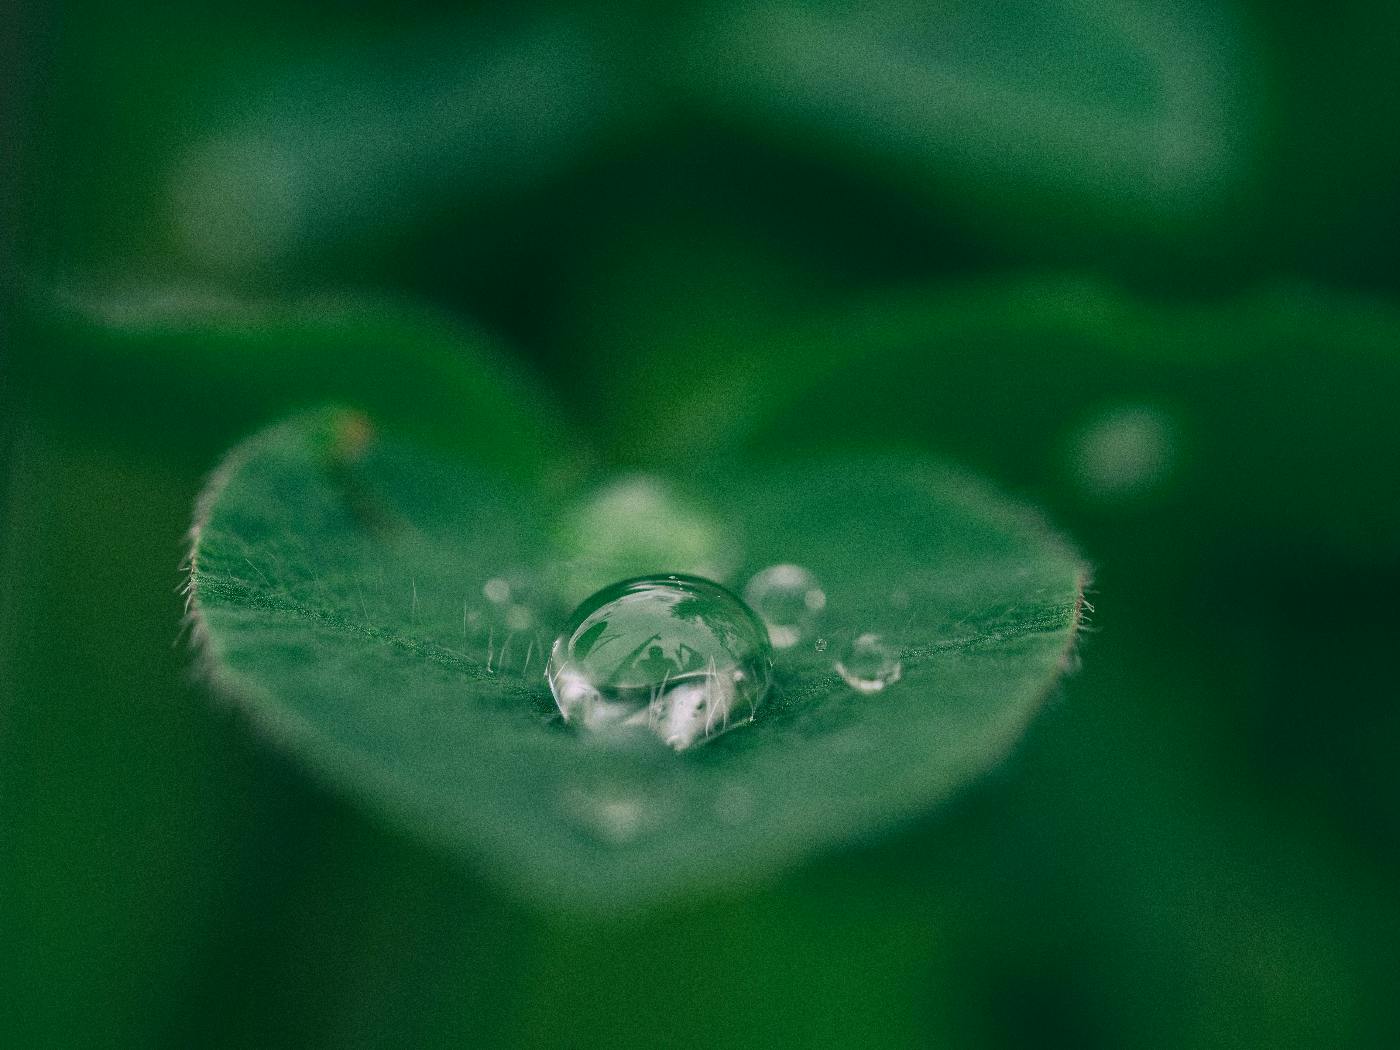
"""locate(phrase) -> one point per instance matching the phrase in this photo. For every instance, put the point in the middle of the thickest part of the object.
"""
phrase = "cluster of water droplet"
(791, 600)
(504, 620)
(684, 659)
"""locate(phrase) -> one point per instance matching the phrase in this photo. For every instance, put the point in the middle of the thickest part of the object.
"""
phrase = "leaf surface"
(337, 585)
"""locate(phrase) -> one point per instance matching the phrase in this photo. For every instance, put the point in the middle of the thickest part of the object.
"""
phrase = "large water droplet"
(869, 664)
(790, 601)
(678, 656)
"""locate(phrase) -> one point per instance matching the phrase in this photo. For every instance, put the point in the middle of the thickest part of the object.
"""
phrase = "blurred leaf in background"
(1052, 123)
(1134, 262)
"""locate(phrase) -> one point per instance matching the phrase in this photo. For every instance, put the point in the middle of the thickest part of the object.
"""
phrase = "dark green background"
(724, 233)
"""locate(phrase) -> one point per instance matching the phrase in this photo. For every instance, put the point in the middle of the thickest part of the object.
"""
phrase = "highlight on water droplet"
(789, 600)
(869, 664)
(675, 656)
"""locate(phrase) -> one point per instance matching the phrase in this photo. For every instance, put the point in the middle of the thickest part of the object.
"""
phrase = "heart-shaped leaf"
(385, 617)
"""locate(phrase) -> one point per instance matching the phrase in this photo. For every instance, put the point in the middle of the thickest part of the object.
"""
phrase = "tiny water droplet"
(679, 656)
(789, 600)
(869, 664)
(500, 631)
(519, 617)
(820, 646)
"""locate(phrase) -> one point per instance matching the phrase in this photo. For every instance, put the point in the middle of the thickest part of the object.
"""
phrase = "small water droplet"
(820, 646)
(789, 600)
(519, 617)
(678, 656)
(496, 590)
(869, 664)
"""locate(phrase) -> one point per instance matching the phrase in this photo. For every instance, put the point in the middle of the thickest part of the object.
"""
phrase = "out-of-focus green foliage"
(1136, 262)
(1104, 403)
(209, 366)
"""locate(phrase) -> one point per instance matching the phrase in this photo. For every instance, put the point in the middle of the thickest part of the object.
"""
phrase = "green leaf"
(333, 585)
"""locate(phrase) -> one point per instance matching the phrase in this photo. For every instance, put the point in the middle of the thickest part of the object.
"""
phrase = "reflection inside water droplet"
(869, 664)
(789, 600)
(678, 656)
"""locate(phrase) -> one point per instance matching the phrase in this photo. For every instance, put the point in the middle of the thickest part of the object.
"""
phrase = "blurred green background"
(1135, 262)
